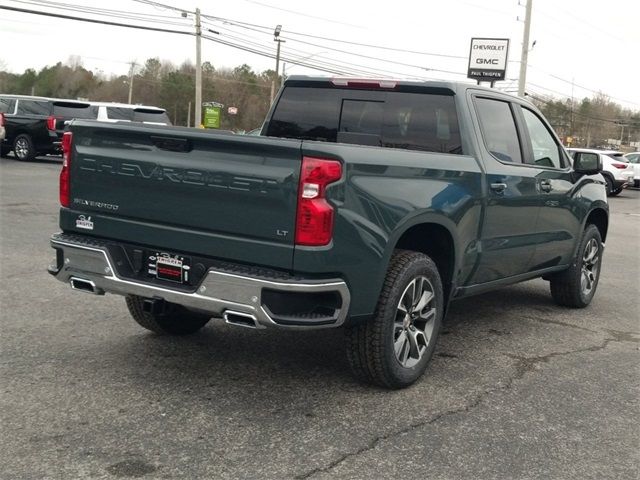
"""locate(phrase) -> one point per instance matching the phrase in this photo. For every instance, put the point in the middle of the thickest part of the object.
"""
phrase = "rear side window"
(499, 129)
(120, 113)
(7, 105)
(34, 107)
(411, 121)
(74, 110)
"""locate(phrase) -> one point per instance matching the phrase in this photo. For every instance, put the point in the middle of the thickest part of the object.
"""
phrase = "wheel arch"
(435, 239)
(600, 218)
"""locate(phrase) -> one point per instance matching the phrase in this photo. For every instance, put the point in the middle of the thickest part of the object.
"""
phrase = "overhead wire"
(92, 20)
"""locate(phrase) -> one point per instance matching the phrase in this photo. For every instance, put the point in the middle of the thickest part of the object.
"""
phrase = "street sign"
(488, 59)
(212, 112)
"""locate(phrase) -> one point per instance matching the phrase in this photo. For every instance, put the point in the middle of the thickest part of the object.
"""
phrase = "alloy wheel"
(414, 322)
(21, 148)
(590, 266)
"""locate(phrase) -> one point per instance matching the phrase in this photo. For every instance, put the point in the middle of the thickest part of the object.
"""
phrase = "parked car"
(616, 170)
(3, 131)
(634, 162)
(119, 112)
(34, 125)
(367, 205)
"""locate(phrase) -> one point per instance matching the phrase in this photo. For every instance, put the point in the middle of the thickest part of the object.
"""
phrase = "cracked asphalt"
(518, 389)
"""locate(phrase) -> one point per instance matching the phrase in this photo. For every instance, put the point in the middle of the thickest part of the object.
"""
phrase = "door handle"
(545, 185)
(499, 187)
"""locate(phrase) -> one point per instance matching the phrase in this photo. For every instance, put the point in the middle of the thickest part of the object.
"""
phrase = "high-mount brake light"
(65, 173)
(314, 220)
(363, 83)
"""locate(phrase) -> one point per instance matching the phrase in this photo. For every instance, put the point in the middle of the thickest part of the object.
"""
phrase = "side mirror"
(587, 163)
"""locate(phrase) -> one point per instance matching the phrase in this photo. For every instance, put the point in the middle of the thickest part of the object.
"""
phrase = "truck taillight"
(65, 173)
(51, 122)
(314, 220)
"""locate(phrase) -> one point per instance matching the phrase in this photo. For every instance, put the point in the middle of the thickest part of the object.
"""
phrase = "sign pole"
(524, 57)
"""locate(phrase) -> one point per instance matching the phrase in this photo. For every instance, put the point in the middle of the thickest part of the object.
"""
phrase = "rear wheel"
(23, 148)
(576, 286)
(174, 320)
(608, 184)
(393, 349)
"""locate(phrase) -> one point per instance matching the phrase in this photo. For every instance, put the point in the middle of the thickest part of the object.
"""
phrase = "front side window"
(546, 152)
(499, 129)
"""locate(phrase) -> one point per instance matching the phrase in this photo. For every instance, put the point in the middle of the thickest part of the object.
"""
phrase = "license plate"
(166, 266)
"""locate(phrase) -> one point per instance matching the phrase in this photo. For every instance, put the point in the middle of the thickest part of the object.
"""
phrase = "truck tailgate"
(187, 190)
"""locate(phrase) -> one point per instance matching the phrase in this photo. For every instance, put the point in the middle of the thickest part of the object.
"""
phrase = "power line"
(102, 11)
(547, 102)
(349, 66)
(254, 2)
(91, 20)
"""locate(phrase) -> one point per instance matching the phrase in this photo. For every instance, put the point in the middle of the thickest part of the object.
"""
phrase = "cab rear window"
(393, 119)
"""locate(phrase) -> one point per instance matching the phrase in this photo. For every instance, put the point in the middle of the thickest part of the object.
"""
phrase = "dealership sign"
(488, 59)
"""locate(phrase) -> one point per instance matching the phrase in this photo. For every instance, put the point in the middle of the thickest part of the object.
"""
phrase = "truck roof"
(456, 87)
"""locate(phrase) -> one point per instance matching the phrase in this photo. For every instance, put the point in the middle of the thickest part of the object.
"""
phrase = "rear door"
(216, 195)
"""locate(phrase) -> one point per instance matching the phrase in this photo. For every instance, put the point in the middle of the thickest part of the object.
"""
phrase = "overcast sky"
(582, 46)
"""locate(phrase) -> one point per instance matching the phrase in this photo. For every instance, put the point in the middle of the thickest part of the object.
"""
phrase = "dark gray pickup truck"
(367, 205)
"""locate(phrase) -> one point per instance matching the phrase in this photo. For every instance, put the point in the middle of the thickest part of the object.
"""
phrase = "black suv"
(34, 125)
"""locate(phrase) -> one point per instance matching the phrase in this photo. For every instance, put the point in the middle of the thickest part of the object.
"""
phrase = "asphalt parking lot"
(518, 389)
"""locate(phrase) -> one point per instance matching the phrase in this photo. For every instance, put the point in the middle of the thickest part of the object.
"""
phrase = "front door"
(561, 212)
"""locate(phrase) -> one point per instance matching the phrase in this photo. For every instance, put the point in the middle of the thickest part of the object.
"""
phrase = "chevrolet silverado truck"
(366, 205)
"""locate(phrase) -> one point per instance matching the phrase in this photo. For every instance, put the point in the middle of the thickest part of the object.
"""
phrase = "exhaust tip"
(84, 285)
(240, 319)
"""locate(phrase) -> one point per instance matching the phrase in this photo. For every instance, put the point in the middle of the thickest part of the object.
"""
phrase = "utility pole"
(525, 50)
(198, 105)
(284, 67)
(276, 38)
(131, 72)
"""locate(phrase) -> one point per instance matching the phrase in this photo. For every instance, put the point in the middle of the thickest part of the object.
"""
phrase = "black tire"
(23, 148)
(176, 320)
(608, 184)
(569, 287)
(613, 193)
(371, 346)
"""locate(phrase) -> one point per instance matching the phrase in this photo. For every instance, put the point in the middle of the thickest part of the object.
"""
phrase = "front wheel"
(393, 349)
(174, 320)
(576, 286)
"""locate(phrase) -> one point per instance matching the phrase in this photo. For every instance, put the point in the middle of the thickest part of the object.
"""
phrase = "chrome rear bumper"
(88, 267)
